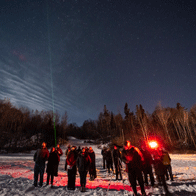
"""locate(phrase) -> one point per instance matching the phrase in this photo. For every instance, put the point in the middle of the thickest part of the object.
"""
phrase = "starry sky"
(79, 55)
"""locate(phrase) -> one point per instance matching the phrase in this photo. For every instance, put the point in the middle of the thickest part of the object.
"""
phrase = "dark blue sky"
(103, 52)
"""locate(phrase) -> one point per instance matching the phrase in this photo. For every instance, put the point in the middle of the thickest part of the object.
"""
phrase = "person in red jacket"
(92, 168)
(133, 159)
(40, 157)
(59, 153)
(66, 153)
(71, 167)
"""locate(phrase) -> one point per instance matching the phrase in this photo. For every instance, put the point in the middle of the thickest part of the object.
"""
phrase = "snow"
(17, 173)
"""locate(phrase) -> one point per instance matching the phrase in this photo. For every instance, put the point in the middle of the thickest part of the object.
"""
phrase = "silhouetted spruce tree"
(101, 125)
(119, 123)
(130, 124)
(107, 119)
(142, 120)
(113, 127)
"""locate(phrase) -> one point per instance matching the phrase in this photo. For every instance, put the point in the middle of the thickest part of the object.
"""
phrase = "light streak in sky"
(50, 62)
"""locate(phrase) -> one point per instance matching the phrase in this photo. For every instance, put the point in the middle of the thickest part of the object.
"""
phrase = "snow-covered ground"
(16, 177)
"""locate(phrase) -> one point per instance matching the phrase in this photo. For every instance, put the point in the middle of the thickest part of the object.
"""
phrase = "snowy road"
(16, 177)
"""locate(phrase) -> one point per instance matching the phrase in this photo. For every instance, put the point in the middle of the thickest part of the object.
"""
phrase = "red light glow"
(153, 144)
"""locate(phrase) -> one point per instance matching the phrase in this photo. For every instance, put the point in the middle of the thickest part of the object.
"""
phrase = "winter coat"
(159, 167)
(116, 156)
(71, 158)
(59, 153)
(79, 150)
(108, 156)
(158, 163)
(41, 156)
(133, 158)
(52, 163)
(103, 152)
(147, 163)
(83, 162)
(92, 167)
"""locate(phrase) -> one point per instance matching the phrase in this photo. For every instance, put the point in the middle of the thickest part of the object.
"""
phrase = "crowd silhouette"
(138, 163)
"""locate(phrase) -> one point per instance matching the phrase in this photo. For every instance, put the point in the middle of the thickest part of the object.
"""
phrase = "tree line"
(174, 128)
(22, 129)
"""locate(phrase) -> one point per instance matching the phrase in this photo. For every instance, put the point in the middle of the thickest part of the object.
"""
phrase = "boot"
(82, 188)
(168, 194)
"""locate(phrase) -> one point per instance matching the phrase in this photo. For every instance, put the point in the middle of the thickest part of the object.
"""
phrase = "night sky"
(92, 53)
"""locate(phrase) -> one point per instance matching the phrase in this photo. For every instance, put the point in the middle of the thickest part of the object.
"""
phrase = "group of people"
(40, 157)
(83, 161)
(111, 157)
(77, 159)
(139, 164)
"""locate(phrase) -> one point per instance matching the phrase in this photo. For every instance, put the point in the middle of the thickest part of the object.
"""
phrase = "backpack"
(166, 159)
